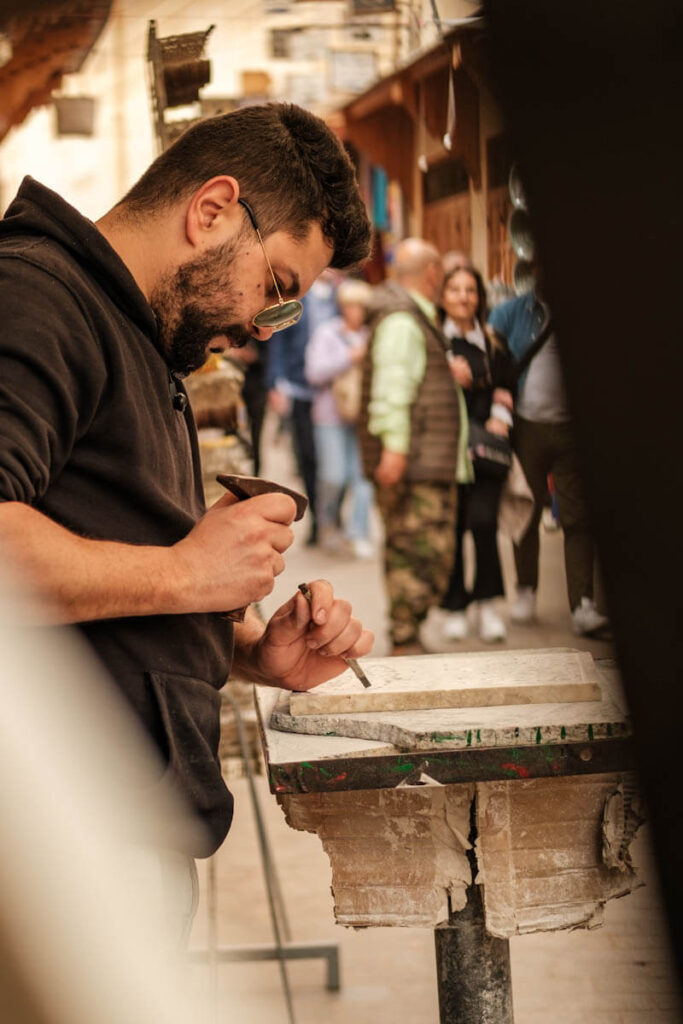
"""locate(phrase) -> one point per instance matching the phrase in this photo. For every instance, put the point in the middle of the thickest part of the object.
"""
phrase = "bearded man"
(101, 499)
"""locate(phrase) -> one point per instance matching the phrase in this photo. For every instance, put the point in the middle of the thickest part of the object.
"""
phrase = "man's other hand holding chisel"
(310, 639)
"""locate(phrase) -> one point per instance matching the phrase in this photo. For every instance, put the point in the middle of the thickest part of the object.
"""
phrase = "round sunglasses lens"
(279, 316)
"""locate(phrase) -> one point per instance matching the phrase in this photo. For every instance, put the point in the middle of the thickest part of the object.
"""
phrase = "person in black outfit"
(481, 365)
(252, 356)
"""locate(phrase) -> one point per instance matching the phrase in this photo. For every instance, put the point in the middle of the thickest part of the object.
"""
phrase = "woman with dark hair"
(481, 364)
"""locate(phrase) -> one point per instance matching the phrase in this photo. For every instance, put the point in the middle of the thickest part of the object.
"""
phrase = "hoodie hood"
(39, 213)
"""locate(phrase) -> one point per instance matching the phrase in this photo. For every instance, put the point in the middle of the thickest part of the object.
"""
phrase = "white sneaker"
(523, 608)
(362, 548)
(491, 626)
(456, 626)
(586, 619)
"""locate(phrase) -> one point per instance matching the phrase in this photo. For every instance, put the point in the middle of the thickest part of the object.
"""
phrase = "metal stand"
(283, 949)
(473, 968)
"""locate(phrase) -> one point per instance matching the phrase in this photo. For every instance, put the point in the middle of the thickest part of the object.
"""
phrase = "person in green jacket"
(413, 436)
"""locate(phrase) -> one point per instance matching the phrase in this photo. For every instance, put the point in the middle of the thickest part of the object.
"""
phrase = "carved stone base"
(398, 856)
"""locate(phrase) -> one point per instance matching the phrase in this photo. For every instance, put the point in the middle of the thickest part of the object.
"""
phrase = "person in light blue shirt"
(289, 393)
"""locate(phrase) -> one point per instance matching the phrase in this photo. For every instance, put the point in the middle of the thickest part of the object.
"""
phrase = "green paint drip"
(538, 735)
(402, 766)
(441, 737)
(590, 732)
(478, 735)
(563, 733)
(469, 738)
(609, 729)
(314, 768)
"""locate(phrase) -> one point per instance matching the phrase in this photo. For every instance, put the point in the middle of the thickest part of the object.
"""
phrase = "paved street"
(617, 974)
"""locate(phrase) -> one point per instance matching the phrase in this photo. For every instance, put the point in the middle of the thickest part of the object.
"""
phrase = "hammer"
(244, 487)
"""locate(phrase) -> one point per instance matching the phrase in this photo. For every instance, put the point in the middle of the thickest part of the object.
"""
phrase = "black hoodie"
(89, 435)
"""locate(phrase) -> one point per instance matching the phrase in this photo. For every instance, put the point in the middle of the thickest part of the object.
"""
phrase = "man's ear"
(212, 213)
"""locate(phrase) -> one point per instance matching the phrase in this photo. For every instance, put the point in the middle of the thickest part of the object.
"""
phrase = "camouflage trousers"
(419, 548)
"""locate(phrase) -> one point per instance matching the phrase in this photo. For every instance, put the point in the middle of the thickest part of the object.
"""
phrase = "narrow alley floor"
(617, 974)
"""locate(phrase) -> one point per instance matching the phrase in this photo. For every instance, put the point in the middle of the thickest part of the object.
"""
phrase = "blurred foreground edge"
(590, 94)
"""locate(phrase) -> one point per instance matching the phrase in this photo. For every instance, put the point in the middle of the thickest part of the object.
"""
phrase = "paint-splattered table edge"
(602, 742)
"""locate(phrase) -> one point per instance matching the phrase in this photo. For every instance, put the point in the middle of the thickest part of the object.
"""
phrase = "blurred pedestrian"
(481, 365)
(411, 415)
(291, 397)
(333, 366)
(289, 393)
(453, 260)
(544, 442)
(253, 357)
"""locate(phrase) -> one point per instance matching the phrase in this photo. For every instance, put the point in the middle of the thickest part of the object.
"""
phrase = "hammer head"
(244, 487)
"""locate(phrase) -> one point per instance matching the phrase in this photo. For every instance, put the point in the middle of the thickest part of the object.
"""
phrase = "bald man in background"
(411, 439)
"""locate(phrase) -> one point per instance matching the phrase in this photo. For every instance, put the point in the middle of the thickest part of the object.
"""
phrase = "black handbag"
(491, 454)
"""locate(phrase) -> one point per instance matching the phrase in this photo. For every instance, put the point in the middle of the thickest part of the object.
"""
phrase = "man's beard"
(182, 305)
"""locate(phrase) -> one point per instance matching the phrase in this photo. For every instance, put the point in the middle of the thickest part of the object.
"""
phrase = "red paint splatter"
(281, 789)
(521, 771)
(339, 778)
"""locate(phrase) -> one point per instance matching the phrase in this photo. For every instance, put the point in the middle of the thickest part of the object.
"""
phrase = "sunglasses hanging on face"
(285, 312)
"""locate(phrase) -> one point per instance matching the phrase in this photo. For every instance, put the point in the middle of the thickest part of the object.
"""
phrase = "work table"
(504, 819)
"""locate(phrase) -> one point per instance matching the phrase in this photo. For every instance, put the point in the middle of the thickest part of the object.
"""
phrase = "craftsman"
(102, 505)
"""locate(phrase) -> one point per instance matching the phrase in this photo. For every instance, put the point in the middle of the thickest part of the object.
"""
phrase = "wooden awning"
(48, 40)
(390, 121)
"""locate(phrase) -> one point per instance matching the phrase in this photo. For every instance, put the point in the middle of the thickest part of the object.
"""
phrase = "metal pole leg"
(473, 968)
(274, 897)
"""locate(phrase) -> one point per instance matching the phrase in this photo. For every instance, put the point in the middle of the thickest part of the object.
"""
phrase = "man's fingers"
(363, 645)
(322, 600)
(281, 538)
(278, 563)
(343, 641)
(295, 612)
(226, 500)
(337, 622)
(276, 507)
(354, 644)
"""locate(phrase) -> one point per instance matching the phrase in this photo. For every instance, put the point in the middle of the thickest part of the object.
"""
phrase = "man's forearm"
(229, 559)
(76, 579)
(247, 636)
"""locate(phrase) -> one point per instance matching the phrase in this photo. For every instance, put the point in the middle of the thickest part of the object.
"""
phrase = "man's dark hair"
(291, 168)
